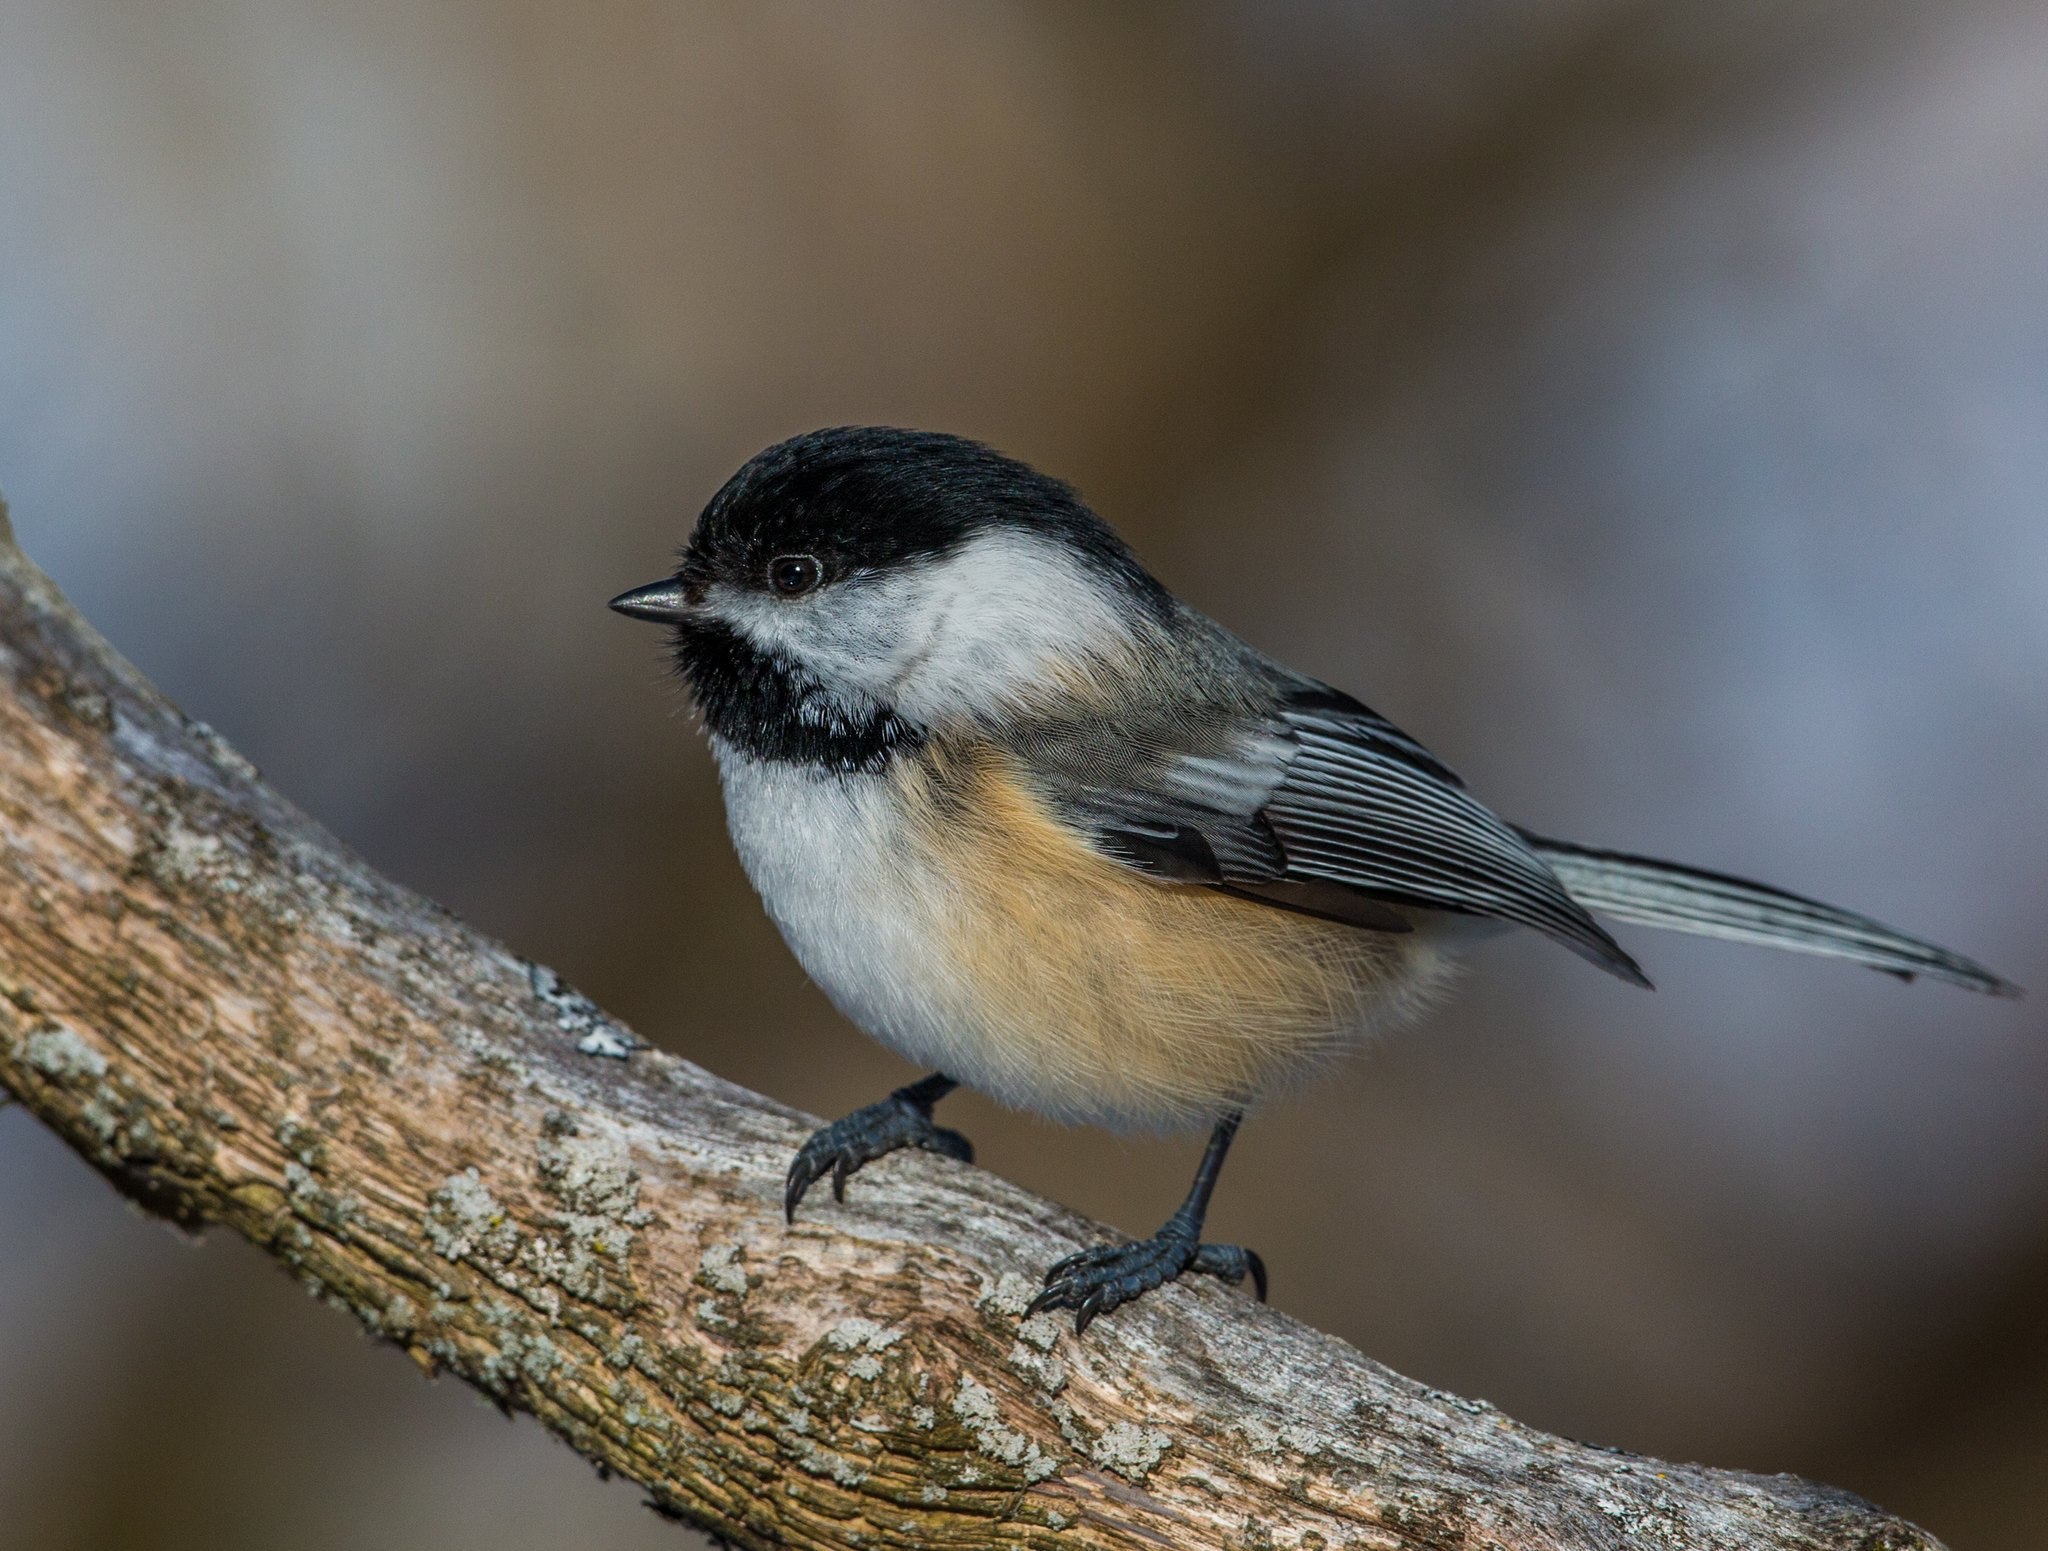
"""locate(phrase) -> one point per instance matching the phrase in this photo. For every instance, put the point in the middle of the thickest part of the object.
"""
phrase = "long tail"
(1711, 904)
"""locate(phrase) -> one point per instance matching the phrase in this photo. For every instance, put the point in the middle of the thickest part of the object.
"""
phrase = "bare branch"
(238, 1022)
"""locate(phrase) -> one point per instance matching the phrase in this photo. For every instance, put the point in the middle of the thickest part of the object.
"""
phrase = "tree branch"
(238, 1022)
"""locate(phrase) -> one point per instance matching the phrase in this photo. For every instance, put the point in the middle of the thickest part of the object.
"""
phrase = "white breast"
(828, 857)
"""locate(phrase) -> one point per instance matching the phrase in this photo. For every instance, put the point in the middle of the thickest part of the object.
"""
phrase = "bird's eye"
(794, 575)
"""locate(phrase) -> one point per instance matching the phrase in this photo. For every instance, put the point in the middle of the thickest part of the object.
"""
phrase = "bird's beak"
(666, 603)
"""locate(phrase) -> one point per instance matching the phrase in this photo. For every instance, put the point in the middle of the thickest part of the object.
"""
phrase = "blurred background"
(1646, 405)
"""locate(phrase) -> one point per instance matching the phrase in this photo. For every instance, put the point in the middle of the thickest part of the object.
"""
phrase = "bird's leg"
(903, 1119)
(1097, 1280)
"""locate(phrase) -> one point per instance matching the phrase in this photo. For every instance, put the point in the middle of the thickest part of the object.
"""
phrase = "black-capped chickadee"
(1032, 821)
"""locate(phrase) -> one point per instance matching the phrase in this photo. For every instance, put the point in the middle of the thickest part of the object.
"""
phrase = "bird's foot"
(1094, 1281)
(903, 1119)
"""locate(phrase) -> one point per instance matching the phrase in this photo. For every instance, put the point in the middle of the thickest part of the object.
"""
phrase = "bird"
(1043, 828)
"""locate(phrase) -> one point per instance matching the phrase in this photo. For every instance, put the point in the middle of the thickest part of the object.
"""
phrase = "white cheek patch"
(1002, 620)
(997, 622)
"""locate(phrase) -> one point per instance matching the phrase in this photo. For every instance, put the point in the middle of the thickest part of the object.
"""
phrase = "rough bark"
(238, 1022)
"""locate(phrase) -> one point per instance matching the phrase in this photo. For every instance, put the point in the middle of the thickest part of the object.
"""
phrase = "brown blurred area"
(1645, 405)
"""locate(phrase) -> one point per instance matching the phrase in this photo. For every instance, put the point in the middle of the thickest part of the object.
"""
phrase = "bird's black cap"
(875, 497)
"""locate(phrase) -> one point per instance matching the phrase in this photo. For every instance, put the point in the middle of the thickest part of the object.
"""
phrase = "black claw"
(1058, 1269)
(1229, 1263)
(952, 1144)
(1098, 1280)
(793, 1188)
(1084, 1316)
(903, 1119)
(801, 1177)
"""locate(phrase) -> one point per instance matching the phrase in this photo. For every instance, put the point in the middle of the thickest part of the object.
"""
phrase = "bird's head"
(866, 571)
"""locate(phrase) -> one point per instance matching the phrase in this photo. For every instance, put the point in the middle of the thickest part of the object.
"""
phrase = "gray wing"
(1321, 805)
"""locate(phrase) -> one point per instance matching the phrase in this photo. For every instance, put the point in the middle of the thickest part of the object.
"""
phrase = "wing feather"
(1316, 804)
(1356, 806)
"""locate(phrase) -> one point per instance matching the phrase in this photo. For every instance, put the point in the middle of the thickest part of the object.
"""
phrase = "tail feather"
(1711, 904)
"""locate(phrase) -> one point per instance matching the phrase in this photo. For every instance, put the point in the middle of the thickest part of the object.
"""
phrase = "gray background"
(1646, 405)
